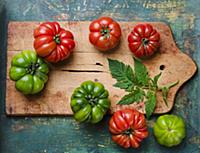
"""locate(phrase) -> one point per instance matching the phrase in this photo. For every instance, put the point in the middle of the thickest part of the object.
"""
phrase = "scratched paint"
(63, 134)
(165, 4)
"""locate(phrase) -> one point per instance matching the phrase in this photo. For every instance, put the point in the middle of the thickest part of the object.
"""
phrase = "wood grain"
(87, 63)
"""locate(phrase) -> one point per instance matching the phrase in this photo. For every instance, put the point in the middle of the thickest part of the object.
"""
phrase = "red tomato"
(53, 42)
(105, 33)
(144, 40)
(128, 128)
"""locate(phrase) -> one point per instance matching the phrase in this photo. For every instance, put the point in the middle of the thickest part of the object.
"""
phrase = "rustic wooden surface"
(91, 64)
(63, 134)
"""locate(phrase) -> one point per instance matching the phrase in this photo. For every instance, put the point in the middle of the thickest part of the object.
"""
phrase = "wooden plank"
(91, 64)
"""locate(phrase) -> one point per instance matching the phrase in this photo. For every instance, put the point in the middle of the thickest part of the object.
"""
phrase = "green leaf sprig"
(138, 84)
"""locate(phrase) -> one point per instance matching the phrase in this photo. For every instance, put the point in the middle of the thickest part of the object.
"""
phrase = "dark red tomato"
(105, 33)
(53, 42)
(128, 128)
(144, 40)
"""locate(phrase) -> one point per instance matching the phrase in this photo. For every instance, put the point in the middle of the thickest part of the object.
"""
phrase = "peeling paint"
(195, 139)
(61, 17)
(165, 4)
(100, 145)
(19, 127)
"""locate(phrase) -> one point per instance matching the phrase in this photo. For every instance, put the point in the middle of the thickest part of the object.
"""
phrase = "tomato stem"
(92, 100)
(56, 38)
(32, 68)
(128, 132)
(145, 41)
(105, 31)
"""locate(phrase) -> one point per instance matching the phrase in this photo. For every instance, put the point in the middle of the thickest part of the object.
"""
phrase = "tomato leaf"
(122, 73)
(150, 103)
(136, 95)
(138, 84)
(155, 80)
(165, 91)
(141, 73)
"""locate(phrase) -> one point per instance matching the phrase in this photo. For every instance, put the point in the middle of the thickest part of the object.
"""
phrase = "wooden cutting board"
(87, 63)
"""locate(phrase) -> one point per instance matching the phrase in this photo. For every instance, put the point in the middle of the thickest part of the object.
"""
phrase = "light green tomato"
(169, 130)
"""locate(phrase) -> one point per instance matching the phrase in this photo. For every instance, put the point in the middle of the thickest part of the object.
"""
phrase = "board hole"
(162, 67)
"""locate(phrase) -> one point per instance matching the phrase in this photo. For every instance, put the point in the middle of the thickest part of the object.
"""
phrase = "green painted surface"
(63, 134)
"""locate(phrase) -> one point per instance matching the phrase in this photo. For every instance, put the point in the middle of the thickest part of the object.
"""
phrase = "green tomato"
(90, 102)
(169, 130)
(29, 71)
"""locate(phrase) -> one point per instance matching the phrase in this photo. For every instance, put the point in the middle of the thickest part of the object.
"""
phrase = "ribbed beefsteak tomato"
(90, 102)
(105, 33)
(128, 128)
(169, 130)
(53, 42)
(144, 40)
(29, 72)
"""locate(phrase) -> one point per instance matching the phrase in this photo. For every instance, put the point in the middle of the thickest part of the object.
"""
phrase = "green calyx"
(105, 31)
(31, 69)
(56, 38)
(91, 99)
(128, 132)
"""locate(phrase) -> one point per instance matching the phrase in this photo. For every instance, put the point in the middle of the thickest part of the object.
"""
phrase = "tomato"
(90, 102)
(105, 33)
(169, 130)
(53, 42)
(29, 72)
(128, 128)
(144, 40)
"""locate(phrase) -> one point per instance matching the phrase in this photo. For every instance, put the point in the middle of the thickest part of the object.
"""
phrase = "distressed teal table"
(63, 134)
